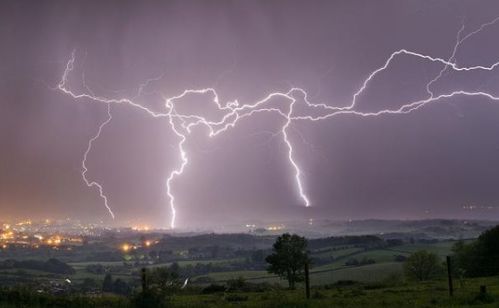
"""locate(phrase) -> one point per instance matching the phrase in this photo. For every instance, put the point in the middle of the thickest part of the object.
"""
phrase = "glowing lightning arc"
(176, 172)
(290, 155)
(182, 124)
(84, 162)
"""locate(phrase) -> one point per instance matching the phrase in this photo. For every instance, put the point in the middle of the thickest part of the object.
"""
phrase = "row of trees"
(51, 265)
(479, 258)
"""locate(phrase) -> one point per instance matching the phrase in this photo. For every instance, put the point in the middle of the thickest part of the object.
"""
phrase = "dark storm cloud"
(438, 158)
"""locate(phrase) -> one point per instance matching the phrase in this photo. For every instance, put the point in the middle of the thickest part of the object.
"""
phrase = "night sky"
(429, 163)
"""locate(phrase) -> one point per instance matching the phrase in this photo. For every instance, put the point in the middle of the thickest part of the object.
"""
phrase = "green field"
(336, 270)
(373, 295)
(441, 248)
(103, 263)
(366, 273)
(429, 294)
(194, 262)
(338, 253)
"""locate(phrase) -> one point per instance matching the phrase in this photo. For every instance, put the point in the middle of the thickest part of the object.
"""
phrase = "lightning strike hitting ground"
(176, 172)
(182, 124)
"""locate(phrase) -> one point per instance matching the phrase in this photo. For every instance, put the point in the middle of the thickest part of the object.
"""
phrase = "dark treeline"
(479, 258)
(51, 266)
(236, 241)
(368, 241)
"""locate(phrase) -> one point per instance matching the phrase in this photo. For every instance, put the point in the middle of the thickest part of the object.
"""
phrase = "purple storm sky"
(426, 164)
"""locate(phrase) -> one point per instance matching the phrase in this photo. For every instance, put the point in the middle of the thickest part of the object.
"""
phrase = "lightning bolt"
(84, 162)
(176, 172)
(233, 112)
(91, 96)
(299, 184)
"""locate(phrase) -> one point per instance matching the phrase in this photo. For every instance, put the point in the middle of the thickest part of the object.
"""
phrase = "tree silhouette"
(107, 284)
(422, 265)
(288, 258)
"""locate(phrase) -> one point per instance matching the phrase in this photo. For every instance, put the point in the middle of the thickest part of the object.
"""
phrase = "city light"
(125, 247)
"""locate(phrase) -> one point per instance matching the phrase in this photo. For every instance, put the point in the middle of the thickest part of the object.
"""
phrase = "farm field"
(336, 270)
(428, 294)
(323, 274)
